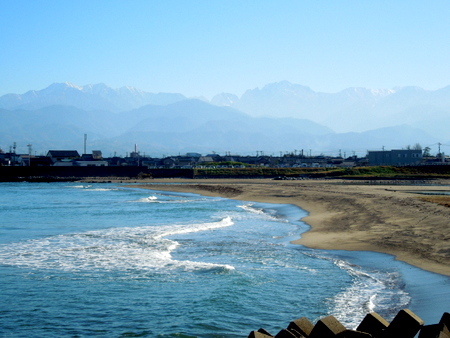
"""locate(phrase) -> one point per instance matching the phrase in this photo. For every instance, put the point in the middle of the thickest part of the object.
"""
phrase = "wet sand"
(349, 215)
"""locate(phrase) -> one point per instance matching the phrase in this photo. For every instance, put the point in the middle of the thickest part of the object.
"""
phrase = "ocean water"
(103, 260)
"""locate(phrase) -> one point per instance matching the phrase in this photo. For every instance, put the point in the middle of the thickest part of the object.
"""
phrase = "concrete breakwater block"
(259, 334)
(445, 320)
(406, 324)
(354, 334)
(327, 327)
(434, 331)
(301, 326)
(373, 323)
(441, 330)
(284, 333)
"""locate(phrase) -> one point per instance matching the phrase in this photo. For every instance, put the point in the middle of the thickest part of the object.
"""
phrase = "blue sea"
(105, 260)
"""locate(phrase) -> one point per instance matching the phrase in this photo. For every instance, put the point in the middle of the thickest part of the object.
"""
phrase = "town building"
(395, 157)
(63, 157)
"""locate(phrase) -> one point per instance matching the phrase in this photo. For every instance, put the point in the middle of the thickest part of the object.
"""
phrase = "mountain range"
(276, 118)
(353, 109)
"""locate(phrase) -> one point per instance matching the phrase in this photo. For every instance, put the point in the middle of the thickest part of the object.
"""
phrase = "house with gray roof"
(63, 157)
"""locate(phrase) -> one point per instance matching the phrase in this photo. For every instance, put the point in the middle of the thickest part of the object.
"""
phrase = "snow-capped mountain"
(278, 117)
(224, 99)
(352, 109)
(89, 97)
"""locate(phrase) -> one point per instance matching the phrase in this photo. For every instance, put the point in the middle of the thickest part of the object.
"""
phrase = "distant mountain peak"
(366, 92)
(224, 99)
(382, 92)
(286, 86)
(72, 85)
(130, 89)
(88, 97)
(58, 86)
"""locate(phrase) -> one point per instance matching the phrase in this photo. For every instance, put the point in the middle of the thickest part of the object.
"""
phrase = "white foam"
(124, 249)
(89, 188)
(155, 199)
(366, 293)
(182, 229)
(249, 207)
(149, 199)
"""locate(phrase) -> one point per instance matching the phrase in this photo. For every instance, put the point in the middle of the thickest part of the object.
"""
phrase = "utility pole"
(136, 153)
(29, 154)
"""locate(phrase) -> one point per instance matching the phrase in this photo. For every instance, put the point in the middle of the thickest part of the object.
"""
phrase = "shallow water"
(108, 261)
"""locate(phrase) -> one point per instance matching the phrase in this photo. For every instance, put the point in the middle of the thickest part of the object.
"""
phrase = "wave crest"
(125, 249)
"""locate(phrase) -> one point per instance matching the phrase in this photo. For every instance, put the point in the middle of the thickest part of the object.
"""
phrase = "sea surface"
(104, 260)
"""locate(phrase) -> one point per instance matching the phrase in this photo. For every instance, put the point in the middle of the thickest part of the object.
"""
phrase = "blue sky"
(202, 48)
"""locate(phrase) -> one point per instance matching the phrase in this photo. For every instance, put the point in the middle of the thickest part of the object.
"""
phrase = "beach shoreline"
(348, 215)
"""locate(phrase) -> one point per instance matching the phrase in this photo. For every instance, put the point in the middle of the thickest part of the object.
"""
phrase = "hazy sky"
(202, 48)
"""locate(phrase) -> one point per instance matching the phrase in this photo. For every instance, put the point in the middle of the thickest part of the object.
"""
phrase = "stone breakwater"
(405, 325)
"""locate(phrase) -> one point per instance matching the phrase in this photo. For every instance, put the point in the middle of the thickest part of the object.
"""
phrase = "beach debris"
(405, 324)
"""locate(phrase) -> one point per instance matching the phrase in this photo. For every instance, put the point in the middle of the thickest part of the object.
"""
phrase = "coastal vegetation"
(375, 172)
(72, 173)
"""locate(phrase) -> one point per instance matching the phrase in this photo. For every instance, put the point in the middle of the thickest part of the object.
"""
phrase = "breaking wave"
(139, 248)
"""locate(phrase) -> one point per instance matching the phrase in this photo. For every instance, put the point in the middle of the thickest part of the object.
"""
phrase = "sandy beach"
(350, 215)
